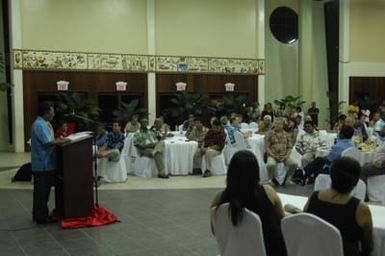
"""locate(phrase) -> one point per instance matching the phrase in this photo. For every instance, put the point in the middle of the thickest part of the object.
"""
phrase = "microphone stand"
(95, 157)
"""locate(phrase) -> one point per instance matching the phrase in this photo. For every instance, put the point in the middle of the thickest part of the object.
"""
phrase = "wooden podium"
(74, 179)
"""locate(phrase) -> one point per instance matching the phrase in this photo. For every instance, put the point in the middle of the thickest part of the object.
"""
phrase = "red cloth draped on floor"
(99, 216)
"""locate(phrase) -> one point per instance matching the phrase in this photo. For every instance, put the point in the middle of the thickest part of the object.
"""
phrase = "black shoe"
(163, 176)
(284, 180)
(197, 171)
(207, 174)
(46, 220)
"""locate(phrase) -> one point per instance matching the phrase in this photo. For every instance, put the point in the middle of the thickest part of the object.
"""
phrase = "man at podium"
(43, 162)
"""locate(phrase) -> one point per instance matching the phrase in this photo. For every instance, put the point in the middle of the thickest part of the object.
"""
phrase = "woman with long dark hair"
(244, 191)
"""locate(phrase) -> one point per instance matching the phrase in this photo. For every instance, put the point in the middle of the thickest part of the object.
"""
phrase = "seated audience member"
(281, 111)
(267, 110)
(100, 136)
(229, 129)
(113, 145)
(380, 124)
(243, 191)
(376, 116)
(265, 125)
(278, 145)
(236, 123)
(376, 167)
(308, 143)
(148, 145)
(212, 145)
(133, 125)
(157, 128)
(189, 123)
(62, 132)
(345, 142)
(197, 134)
(360, 134)
(380, 138)
(341, 120)
(164, 125)
(292, 129)
(346, 213)
(299, 117)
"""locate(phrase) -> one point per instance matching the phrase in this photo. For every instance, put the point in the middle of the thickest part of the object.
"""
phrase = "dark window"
(284, 25)
(108, 102)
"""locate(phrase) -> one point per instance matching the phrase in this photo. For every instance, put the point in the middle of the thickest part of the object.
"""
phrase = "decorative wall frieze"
(78, 61)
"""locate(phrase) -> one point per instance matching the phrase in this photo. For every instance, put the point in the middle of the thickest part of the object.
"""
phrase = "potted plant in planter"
(186, 103)
(291, 103)
(73, 107)
(232, 103)
(126, 110)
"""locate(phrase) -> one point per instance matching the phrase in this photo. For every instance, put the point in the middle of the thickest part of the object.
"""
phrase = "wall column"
(261, 48)
(17, 79)
(305, 49)
(344, 58)
(151, 78)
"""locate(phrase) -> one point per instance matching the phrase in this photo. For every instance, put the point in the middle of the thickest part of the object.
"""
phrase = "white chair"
(246, 239)
(352, 152)
(323, 181)
(240, 143)
(253, 125)
(376, 189)
(244, 126)
(143, 166)
(306, 234)
(129, 153)
(218, 165)
(111, 171)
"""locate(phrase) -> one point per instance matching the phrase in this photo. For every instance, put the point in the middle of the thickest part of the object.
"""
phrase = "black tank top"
(343, 217)
(271, 225)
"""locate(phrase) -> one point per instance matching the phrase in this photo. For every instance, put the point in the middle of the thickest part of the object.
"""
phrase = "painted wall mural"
(57, 60)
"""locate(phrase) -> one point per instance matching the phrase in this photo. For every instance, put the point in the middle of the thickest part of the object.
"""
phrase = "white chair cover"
(145, 167)
(323, 181)
(129, 152)
(218, 165)
(280, 173)
(306, 234)
(352, 152)
(244, 126)
(376, 189)
(245, 239)
(253, 125)
(239, 140)
(112, 171)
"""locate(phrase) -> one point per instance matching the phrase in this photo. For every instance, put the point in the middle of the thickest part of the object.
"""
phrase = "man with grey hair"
(278, 145)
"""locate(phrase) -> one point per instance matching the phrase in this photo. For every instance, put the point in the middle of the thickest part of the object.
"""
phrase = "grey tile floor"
(152, 222)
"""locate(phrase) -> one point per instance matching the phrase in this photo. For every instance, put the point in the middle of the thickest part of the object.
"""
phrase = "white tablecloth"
(179, 155)
(378, 216)
(366, 157)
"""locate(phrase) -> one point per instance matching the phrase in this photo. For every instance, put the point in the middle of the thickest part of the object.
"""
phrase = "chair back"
(239, 140)
(246, 239)
(244, 126)
(352, 152)
(323, 181)
(306, 234)
(253, 125)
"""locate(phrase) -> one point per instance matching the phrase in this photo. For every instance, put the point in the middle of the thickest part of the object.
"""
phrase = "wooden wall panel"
(36, 82)
(373, 88)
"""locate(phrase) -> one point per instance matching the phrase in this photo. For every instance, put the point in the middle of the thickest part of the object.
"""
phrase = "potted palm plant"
(126, 110)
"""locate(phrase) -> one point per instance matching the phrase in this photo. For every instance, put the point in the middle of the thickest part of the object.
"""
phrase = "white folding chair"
(246, 239)
(323, 181)
(306, 234)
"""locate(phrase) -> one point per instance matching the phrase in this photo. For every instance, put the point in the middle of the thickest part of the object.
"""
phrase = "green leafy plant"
(291, 103)
(231, 103)
(335, 108)
(68, 103)
(187, 103)
(126, 110)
